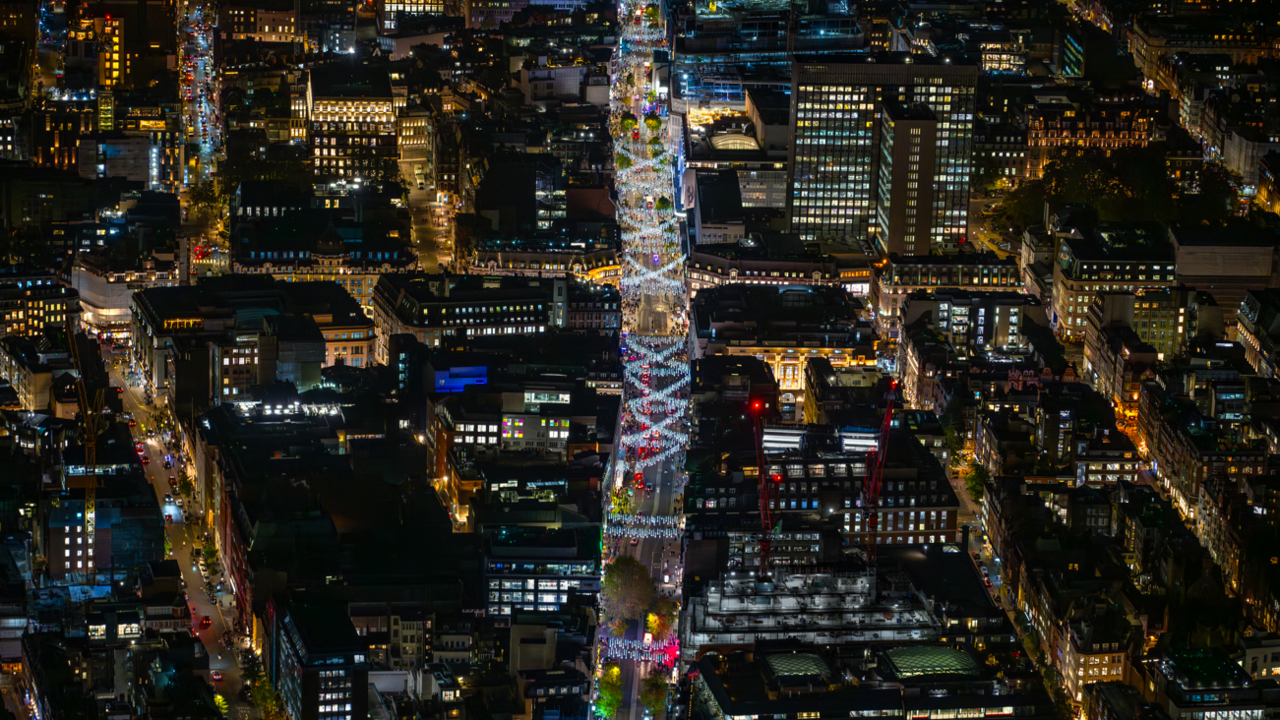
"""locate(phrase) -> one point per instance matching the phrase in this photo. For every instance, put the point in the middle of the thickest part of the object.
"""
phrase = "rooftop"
(798, 665)
(1123, 241)
(914, 661)
(1204, 669)
(347, 80)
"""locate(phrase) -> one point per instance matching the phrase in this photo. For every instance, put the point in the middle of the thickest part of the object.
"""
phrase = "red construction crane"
(766, 482)
(875, 474)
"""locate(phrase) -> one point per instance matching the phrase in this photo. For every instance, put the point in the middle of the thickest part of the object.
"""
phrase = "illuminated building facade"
(353, 123)
(838, 142)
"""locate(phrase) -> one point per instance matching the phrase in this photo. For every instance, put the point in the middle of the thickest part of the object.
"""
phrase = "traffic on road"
(189, 541)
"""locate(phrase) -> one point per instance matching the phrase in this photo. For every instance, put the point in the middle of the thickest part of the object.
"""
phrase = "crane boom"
(765, 490)
(875, 478)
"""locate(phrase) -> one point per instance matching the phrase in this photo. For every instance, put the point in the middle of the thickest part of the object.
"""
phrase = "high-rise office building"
(837, 148)
(905, 211)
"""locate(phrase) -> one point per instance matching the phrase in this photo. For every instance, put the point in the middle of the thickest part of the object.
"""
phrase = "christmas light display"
(656, 374)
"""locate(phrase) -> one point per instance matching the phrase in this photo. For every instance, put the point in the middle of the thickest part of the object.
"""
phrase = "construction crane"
(766, 482)
(875, 477)
(91, 419)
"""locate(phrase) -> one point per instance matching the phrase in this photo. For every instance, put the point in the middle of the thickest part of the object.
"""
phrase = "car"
(635, 133)
(168, 463)
(168, 497)
(206, 621)
(988, 583)
(168, 518)
(178, 502)
(635, 541)
(217, 676)
(172, 480)
(145, 460)
(649, 487)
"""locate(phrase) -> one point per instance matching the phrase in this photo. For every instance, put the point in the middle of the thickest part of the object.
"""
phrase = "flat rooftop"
(919, 661)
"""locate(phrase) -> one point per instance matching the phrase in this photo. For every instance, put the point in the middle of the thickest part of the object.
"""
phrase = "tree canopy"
(609, 691)
(627, 590)
(1129, 184)
(653, 694)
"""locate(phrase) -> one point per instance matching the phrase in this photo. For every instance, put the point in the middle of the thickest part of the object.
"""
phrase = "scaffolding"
(738, 610)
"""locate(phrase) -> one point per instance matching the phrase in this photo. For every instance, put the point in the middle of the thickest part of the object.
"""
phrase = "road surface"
(655, 326)
(180, 533)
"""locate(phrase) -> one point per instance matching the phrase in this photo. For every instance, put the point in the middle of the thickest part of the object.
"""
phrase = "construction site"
(737, 611)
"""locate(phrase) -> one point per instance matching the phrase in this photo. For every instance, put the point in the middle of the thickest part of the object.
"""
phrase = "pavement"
(432, 232)
(181, 534)
(201, 116)
(14, 704)
(656, 313)
(969, 515)
(978, 234)
(662, 557)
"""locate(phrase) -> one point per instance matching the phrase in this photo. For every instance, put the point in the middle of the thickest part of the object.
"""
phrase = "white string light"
(655, 359)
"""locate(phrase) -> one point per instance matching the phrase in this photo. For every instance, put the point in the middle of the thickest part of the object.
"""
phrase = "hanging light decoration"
(654, 351)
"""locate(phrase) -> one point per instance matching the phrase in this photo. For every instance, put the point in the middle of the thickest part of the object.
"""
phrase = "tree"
(1024, 205)
(621, 162)
(661, 620)
(953, 434)
(653, 694)
(221, 703)
(205, 197)
(264, 697)
(185, 487)
(1215, 196)
(626, 590)
(986, 173)
(653, 122)
(1029, 643)
(629, 121)
(976, 479)
(608, 690)
(663, 204)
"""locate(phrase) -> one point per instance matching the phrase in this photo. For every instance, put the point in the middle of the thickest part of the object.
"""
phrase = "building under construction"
(913, 595)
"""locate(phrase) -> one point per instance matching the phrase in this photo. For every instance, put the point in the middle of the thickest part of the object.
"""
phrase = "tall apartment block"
(860, 127)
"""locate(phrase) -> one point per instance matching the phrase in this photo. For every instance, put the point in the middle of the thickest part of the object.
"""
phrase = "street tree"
(976, 479)
(609, 691)
(662, 617)
(627, 590)
(653, 694)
